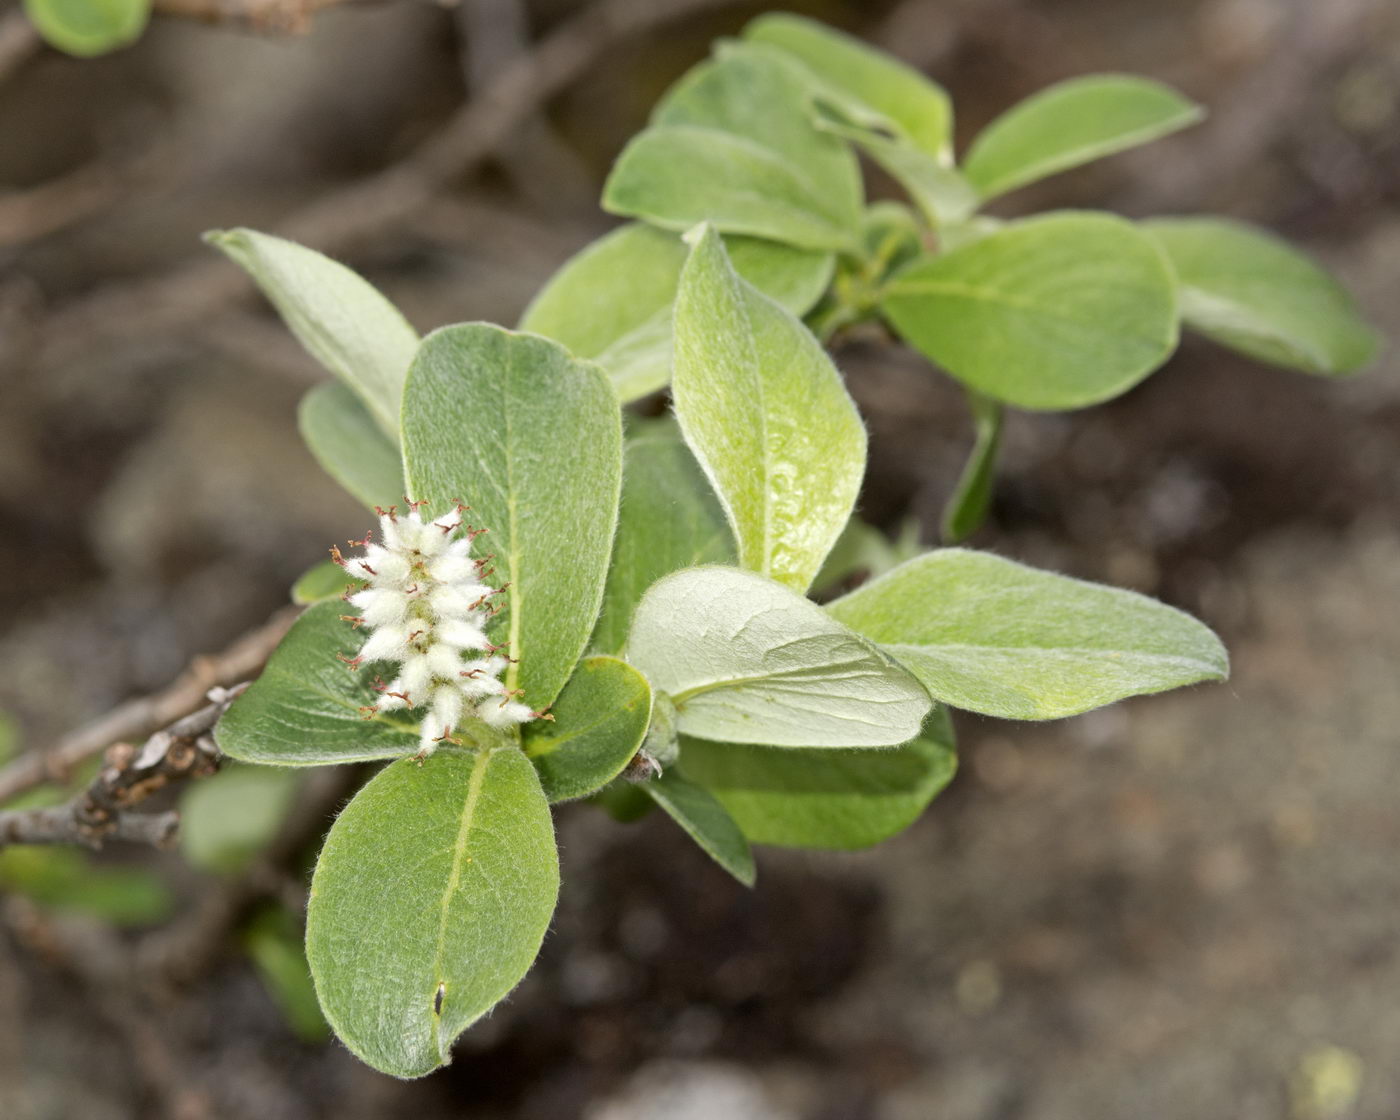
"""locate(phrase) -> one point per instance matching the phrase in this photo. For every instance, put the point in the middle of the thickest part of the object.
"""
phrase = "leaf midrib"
(454, 878)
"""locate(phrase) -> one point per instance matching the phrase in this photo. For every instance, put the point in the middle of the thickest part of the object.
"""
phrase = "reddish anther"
(336, 557)
(367, 568)
(352, 662)
(354, 620)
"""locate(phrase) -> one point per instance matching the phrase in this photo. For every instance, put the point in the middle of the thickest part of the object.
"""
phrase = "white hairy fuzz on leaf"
(426, 608)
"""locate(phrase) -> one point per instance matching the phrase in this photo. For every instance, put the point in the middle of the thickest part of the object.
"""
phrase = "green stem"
(967, 508)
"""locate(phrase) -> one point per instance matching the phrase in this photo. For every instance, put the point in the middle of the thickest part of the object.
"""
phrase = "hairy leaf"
(531, 439)
(335, 313)
(350, 446)
(768, 418)
(705, 821)
(600, 720)
(941, 193)
(833, 799)
(1255, 293)
(305, 708)
(916, 107)
(611, 302)
(1072, 123)
(733, 144)
(992, 636)
(747, 660)
(430, 900)
(669, 520)
(1054, 312)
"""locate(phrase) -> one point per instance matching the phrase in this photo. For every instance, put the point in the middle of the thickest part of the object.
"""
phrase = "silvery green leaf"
(350, 446)
(1255, 293)
(732, 144)
(832, 799)
(335, 313)
(989, 635)
(611, 301)
(767, 416)
(1052, 312)
(916, 107)
(940, 191)
(305, 709)
(705, 821)
(599, 721)
(531, 439)
(669, 520)
(747, 660)
(1072, 123)
(429, 903)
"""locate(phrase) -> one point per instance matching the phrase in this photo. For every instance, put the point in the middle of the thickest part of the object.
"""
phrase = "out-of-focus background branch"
(1179, 907)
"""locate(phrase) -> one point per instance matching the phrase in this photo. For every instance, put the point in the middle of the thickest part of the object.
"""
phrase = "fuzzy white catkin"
(426, 608)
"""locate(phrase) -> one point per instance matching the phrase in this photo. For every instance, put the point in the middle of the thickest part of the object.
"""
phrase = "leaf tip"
(697, 235)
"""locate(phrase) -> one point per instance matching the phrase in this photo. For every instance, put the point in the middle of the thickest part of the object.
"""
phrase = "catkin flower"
(426, 607)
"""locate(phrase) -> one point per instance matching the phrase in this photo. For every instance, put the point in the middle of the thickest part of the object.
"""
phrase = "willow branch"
(104, 810)
(146, 715)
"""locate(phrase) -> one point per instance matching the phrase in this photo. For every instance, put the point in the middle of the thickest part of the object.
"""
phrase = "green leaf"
(327, 580)
(66, 880)
(429, 903)
(350, 446)
(274, 944)
(705, 821)
(747, 660)
(341, 319)
(833, 799)
(600, 720)
(227, 820)
(305, 708)
(1054, 312)
(767, 416)
(996, 637)
(917, 108)
(1255, 293)
(88, 27)
(942, 194)
(611, 302)
(732, 144)
(967, 508)
(1072, 123)
(531, 439)
(670, 519)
